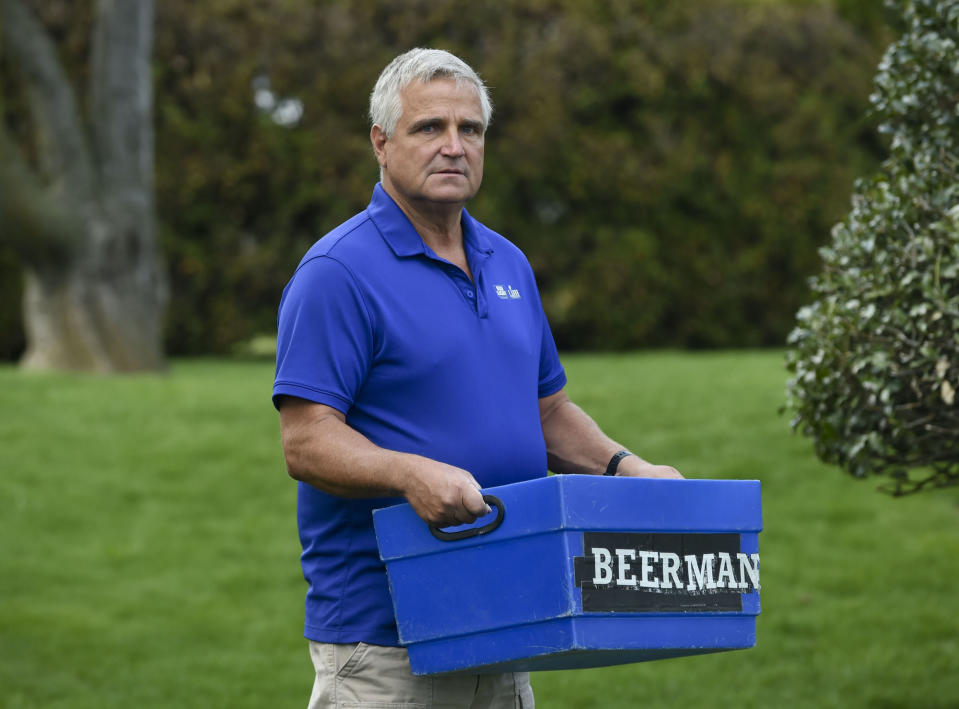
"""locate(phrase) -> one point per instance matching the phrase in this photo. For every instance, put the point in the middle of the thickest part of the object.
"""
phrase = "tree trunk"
(97, 305)
(100, 312)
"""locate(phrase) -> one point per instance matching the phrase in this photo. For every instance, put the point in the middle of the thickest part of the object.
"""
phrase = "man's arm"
(321, 449)
(575, 444)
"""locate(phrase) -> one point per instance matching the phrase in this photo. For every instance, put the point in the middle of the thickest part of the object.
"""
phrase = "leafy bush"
(670, 168)
(876, 356)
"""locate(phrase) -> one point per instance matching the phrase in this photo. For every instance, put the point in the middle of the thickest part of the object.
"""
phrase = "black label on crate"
(664, 573)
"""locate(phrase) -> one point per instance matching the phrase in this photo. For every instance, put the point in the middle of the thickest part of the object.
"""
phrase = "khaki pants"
(359, 675)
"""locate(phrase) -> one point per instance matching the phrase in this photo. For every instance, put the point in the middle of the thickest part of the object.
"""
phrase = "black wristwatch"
(614, 462)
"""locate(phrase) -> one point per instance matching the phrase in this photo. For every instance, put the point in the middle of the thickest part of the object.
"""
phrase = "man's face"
(436, 152)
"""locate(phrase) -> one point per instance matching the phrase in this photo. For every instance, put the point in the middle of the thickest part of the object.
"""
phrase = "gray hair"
(425, 65)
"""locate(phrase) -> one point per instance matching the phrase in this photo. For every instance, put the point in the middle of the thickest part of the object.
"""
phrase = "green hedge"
(670, 170)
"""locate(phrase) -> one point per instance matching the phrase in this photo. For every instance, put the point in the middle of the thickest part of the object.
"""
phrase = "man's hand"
(441, 494)
(635, 467)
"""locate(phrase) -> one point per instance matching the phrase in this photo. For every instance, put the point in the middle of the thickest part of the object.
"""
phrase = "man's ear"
(378, 139)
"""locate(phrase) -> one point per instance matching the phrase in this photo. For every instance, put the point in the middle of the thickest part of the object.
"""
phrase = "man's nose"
(452, 143)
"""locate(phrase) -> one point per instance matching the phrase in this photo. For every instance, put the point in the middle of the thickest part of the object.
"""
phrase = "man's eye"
(428, 128)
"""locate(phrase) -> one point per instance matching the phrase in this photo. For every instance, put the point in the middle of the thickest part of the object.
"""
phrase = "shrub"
(874, 359)
(670, 168)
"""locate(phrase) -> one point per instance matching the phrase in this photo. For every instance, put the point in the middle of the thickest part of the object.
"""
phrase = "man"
(414, 361)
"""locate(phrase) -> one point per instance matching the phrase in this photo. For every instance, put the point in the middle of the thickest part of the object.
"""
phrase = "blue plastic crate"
(581, 571)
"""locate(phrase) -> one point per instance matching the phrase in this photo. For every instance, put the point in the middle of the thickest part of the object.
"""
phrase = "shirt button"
(469, 294)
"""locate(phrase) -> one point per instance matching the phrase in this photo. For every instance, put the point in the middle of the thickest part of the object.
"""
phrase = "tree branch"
(64, 153)
(34, 224)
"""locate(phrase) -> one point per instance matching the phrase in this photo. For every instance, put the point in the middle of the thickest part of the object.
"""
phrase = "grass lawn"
(150, 556)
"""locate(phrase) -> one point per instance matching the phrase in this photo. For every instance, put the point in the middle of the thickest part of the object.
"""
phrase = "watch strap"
(614, 462)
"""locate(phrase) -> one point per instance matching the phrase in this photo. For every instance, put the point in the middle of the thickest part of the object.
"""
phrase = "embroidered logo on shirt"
(507, 293)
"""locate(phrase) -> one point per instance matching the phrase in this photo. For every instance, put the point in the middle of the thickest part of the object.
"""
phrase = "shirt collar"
(403, 238)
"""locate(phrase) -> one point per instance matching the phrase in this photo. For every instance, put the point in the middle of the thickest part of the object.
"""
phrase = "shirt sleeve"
(552, 376)
(324, 336)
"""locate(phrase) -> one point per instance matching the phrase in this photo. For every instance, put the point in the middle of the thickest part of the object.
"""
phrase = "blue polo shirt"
(420, 359)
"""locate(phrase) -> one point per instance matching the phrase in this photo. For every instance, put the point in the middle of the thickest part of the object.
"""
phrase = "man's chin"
(448, 196)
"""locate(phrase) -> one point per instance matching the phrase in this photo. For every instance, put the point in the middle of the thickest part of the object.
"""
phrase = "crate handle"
(474, 531)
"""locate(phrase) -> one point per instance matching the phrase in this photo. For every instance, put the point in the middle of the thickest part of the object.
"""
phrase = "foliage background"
(669, 168)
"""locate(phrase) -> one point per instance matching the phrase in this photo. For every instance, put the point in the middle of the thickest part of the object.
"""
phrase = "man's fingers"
(662, 471)
(446, 495)
(474, 503)
(648, 470)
